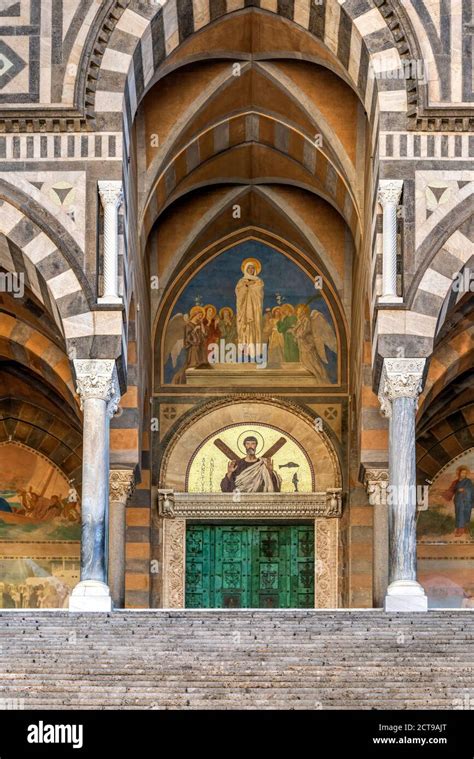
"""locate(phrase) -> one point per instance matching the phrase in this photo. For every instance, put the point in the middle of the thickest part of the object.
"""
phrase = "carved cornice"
(81, 117)
(250, 505)
(401, 378)
(121, 484)
(421, 116)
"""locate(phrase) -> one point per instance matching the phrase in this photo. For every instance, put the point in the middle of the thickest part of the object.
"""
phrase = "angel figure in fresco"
(249, 299)
(313, 334)
(174, 340)
(462, 492)
(227, 325)
(193, 341)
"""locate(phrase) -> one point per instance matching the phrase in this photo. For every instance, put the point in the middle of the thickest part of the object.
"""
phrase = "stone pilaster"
(389, 196)
(326, 563)
(174, 562)
(400, 385)
(121, 487)
(98, 389)
(111, 196)
(376, 484)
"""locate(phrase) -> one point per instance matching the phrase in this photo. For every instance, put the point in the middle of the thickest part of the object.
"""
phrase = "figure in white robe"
(249, 299)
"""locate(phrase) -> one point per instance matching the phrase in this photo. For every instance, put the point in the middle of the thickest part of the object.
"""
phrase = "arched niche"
(293, 291)
(285, 419)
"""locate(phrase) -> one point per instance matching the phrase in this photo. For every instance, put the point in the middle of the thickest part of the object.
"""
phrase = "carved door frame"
(325, 568)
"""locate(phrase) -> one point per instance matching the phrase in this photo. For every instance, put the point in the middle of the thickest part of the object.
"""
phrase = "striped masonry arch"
(34, 244)
(354, 31)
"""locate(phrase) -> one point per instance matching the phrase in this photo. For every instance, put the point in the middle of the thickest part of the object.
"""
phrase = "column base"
(405, 595)
(90, 595)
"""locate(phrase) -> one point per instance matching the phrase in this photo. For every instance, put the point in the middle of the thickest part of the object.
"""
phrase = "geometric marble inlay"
(10, 64)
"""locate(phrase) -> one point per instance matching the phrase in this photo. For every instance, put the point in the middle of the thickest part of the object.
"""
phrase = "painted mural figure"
(249, 300)
(276, 343)
(227, 325)
(267, 325)
(251, 474)
(211, 326)
(307, 345)
(248, 318)
(71, 510)
(39, 506)
(462, 491)
(285, 326)
(194, 343)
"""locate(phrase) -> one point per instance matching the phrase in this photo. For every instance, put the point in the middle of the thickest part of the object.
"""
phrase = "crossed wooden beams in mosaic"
(224, 448)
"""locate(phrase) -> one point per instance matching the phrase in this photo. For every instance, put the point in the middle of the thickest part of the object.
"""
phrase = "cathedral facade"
(236, 298)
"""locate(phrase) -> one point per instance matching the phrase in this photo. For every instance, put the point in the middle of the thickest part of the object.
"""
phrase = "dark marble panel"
(185, 18)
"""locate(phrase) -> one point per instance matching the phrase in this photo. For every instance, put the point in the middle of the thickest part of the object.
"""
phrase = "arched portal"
(243, 528)
(246, 193)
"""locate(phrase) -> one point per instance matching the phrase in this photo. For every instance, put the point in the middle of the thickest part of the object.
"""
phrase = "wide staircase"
(248, 659)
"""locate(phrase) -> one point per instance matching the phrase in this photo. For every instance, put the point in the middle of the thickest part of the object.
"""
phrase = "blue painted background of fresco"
(284, 282)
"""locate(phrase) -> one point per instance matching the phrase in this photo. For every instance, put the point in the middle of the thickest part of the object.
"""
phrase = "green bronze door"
(250, 566)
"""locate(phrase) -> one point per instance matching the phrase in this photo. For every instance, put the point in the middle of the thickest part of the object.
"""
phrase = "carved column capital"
(97, 378)
(376, 482)
(390, 191)
(110, 192)
(121, 484)
(401, 378)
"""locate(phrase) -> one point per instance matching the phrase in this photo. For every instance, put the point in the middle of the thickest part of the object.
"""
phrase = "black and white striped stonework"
(144, 36)
(51, 261)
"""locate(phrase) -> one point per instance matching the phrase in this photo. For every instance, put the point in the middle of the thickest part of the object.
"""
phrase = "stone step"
(296, 659)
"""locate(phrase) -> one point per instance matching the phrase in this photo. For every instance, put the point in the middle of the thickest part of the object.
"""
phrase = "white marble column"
(400, 386)
(98, 388)
(376, 483)
(389, 194)
(121, 485)
(111, 196)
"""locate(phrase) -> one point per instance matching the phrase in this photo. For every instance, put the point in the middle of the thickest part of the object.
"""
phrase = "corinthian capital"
(376, 481)
(390, 191)
(121, 484)
(401, 378)
(110, 192)
(97, 378)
